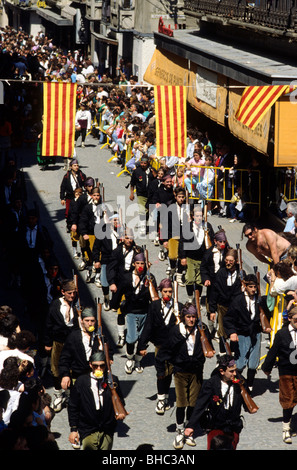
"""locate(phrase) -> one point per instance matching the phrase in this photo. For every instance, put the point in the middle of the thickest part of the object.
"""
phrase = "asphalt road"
(262, 431)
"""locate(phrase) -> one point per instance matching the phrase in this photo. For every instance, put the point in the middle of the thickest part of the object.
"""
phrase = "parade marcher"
(265, 244)
(83, 120)
(212, 261)
(174, 222)
(162, 315)
(91, 415)
(243, 326)
(184, 351)
(221, 395)
(91, 215)
(107, 237)
(135, 286)
(121, 262)
(139, 181)
(226, 286)
(62, 318)
(74, 178)
(282, 353)
(162, 194)
(72, 224)
(192, 248)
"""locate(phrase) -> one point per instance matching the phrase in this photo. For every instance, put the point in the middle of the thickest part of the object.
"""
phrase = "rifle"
(118, 406)
(265, 324)
(206, 346)
(153, 292)
(249, 402)
(175, 297)
(99, 322)
(241, 275)
(75, 278)
(207, 239)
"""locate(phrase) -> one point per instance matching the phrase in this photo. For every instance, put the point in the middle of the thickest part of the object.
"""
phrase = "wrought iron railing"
(275, 14)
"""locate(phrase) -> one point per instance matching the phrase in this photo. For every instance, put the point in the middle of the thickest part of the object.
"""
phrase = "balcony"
(277, 15)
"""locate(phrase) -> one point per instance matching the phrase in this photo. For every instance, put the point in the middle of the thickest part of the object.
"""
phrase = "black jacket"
(221, 293)
(56, 329)
(87, 219)
(116, 267)
(228, 420)
(175, 351)
(283, 349)
(207, 267)
(66, 190)
(140, 180)
(73, 360)
(103, 247)
(188, 246)
(82, 413)
(238, 318)
(155, 330)
(134, 302)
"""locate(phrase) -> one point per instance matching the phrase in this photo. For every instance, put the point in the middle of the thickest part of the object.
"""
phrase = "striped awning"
(256, 101)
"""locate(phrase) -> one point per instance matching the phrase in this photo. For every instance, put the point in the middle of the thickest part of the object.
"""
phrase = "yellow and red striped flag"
(256, 101)
(171, 120)
(59, 108)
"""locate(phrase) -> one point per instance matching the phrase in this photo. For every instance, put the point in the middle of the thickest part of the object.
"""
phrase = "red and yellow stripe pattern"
(256, 101)
(59, 108)
(171, 120)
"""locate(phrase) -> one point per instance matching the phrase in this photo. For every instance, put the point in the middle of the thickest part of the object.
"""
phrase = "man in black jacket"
(227, 285)
(242, 325)
(74, 178)
(92, 214)
(184, 351)
(140, 179)
(78, 347)
(120, 263)
(192, 247)
(212, 260)
(135, 286)
(163, 314)
(91, 414)
(283, 350)
(61, 319)
(220, 394)
(107, 238)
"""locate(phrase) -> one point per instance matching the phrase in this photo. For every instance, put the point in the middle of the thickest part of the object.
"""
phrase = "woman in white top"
(282, 279)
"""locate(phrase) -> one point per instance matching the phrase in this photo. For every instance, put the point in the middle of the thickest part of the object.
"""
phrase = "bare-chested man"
(265, 244)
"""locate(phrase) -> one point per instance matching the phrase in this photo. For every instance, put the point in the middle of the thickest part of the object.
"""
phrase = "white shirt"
(190, 339)
(293, 333)
(199, 234)
(63, 310)
(166, 310)
(96, 387)
(31, 236)
(251, 305)
(229, 398)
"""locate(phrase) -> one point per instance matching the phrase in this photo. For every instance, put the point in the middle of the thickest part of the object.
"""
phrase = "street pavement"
(262, 431)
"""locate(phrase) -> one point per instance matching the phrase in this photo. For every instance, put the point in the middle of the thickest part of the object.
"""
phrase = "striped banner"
(171, 120)
(256, 101)
(59, 108)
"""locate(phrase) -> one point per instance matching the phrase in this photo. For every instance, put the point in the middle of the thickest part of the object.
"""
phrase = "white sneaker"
(121, 341)
(138, 367)
(232, 221)
(75, 255)
(106, 304)
(83, 145)
(82, 266)
(179, 439)
(156, 241)
(129, 366)
(97, 280)
(160, 408)
(58, 400)
(89, 277)
(190, 441)
(161, 255)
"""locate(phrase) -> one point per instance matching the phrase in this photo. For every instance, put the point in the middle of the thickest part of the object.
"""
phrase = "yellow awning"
(257, 138)
(166, 68)
(285, 135)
